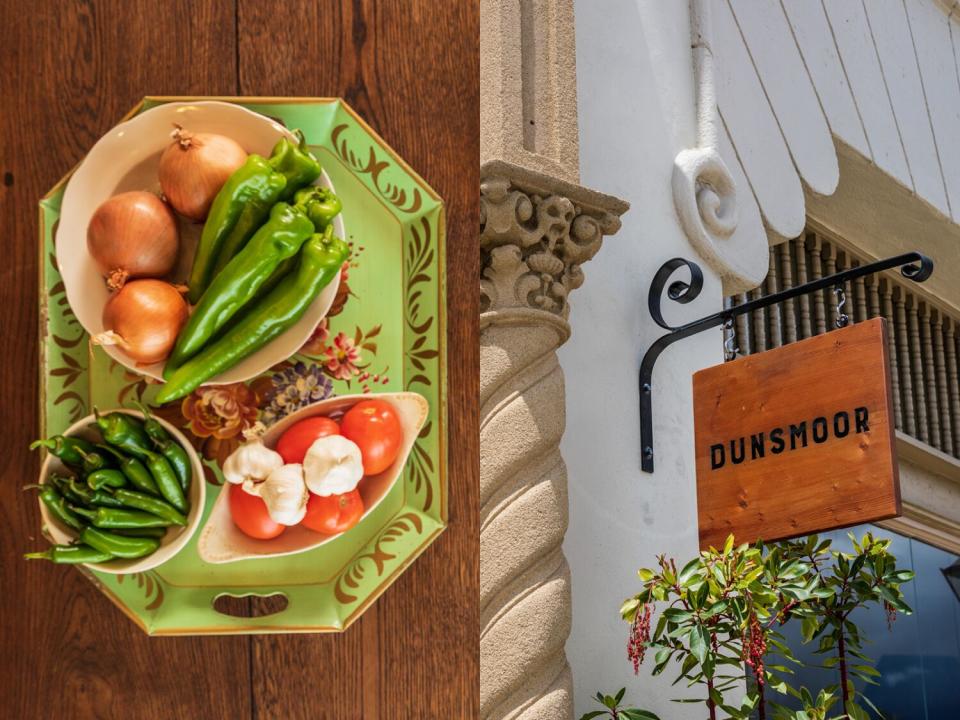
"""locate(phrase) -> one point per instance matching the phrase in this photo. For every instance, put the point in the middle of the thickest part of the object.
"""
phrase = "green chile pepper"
(91, 498)
(106, 478)
(150, 504)
(71, 554)
(65, 448)
(319, 204)
(320, 260)
(166, 480)
(279, 238)
(244, 202)
(62, 484)
(171, 449)
(111, 518)
(119, 546)
(156, 532)
(134, 470)
(237, 211)
(57, 506)
(124, 432)
(93, 461)
(295, 162)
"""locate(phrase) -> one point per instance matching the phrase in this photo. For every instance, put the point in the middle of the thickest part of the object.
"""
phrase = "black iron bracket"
(686, 291)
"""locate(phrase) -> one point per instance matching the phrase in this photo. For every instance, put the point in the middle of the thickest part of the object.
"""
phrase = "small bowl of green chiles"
(120, 491)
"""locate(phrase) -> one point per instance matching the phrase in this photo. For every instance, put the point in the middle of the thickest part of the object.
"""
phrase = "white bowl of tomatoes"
(240, 526)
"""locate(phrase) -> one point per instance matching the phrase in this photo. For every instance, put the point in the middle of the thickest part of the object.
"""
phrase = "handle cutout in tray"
(250, 606)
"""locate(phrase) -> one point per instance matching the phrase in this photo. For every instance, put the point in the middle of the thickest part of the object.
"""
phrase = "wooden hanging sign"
(797, 440)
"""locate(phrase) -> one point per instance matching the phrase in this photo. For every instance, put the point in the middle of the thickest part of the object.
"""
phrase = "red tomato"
(334, 513)
(374, 426)
(251, 516)
(298, 438)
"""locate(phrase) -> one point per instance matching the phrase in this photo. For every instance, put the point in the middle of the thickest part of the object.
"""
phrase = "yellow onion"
(143, 319)
(194, 168)
(133, 234)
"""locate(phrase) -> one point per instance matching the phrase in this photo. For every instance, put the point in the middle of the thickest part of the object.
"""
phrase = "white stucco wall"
(636, 112)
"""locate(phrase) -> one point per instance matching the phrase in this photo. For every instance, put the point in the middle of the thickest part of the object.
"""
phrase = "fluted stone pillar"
(535, 233)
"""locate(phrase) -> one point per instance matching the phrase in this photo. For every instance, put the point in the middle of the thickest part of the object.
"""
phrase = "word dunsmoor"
(792, 437)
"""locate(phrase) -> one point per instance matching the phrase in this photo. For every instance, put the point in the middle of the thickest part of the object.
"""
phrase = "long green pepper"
(320, 260)
(65, 448)
(278, 239)
(121, 546)
(71, 554)
(150, 504)
(168, 447)
(124, 432)
(106, 478)
(57, 505)
(111, 518)
(134, 470)
(244, 202)
(166, 480)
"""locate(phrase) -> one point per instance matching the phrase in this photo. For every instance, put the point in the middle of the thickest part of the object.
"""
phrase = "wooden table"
(68, 71)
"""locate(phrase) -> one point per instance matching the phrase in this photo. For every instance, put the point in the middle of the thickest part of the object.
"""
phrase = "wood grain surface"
(68, 71)
(797, 440)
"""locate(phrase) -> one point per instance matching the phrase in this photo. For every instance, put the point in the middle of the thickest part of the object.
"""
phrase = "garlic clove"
(332, 466)
(283, 492)
(251, 461)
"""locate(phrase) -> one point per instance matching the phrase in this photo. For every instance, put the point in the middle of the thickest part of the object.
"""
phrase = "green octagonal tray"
(384, 333)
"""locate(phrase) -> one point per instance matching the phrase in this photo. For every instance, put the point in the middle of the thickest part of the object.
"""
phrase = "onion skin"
(133, 234)
(194, 167)
(143, 319)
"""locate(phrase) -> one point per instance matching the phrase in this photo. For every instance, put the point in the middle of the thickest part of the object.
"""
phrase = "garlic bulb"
(283, 492)
(251, 461)
(332, 466)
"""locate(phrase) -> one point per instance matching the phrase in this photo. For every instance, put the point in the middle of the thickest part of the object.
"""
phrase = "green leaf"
(645, 574)
(689, 571)
(699, 643)
(593, 714)
(619, 695)
(728, 545)
(635, 714)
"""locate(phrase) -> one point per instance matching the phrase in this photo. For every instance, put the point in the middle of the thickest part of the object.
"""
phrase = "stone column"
(535, 233)
(537, 227)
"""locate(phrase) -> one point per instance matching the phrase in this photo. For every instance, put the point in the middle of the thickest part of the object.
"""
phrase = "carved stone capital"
(535, 233)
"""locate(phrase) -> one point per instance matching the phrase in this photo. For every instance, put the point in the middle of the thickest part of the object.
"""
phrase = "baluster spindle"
(929, 374)
(816, 269)
(801, 250)
(916, 366)
(953, 385)
(943, 395)
(831, 297)
(759, 324)
(906, 379)
(742, 323)
(892, 349)
(860, 293)
(786, 281)
(772, 286)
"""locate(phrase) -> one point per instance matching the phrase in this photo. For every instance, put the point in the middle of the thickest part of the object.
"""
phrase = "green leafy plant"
(721, 614)
(612, 709)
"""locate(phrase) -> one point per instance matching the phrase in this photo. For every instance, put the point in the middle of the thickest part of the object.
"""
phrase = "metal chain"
(842, 318)
(730, 348)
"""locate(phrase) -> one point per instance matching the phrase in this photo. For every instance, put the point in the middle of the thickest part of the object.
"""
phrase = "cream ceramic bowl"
(222, 542)
(176, 537)
(127, 158)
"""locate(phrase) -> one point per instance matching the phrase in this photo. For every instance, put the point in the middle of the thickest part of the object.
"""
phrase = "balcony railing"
(923, 338)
